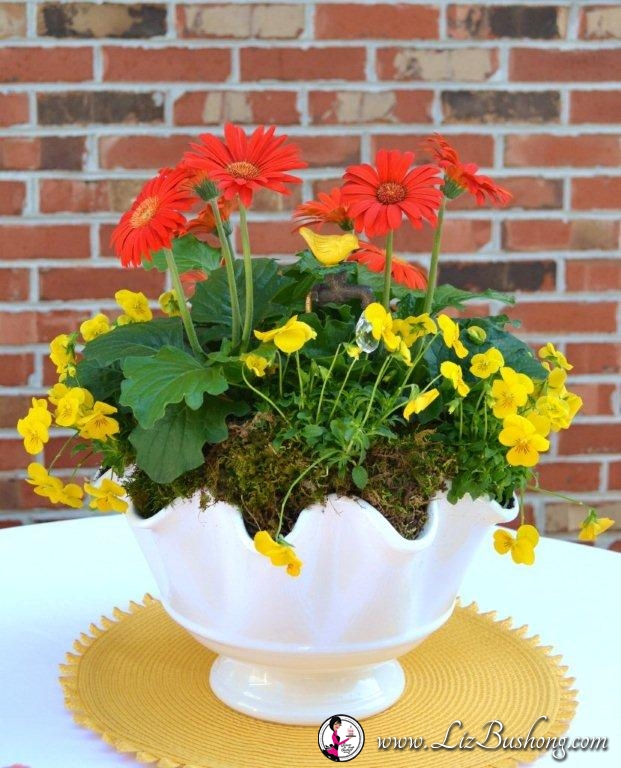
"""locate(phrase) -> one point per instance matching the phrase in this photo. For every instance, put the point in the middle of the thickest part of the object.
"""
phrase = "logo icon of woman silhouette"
(341, 738)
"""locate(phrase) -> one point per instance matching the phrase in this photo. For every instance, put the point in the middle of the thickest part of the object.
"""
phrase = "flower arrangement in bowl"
(328, 416)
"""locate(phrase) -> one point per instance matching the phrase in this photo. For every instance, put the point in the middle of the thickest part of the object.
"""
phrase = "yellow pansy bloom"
(135, 306)
(353, 351)
(107, 496)
(415, 327)
(381, 323)
(593, 525)
(169, 304)
(62, 354)
(279, 554)
(419, 403)
(556, 410)
(35, 434)
(553, 356)
(485, 364)
(555, 383)
(57, 392)
(72, 406)
(522, 547)
(96, 326)
(97, 425)
(540, 422)
(256, 363)
(44, 485)
(71, 495)
(454, 374)
(450, 334)
(289, 337)
(510, 392)
(39, 412)
(521, 435)
(574, 403)
(329, 249)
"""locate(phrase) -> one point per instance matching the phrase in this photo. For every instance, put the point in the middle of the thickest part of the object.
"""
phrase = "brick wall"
(94, 97)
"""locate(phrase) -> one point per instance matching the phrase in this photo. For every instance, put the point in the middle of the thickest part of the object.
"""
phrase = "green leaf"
(104, 383)
(153, 383)
(447, 296)
(360, 477)
(175, 444)
(135, 340)
(189, 253)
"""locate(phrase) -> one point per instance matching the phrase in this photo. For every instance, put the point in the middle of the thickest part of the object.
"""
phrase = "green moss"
(248, 471)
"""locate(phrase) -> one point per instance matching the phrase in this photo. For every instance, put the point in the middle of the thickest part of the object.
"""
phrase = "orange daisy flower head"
(380, 196)
(239, 165)
(403, 272)
(204, 223)
(154, 218)
(462, 177)
(189, 280)
(330, 208)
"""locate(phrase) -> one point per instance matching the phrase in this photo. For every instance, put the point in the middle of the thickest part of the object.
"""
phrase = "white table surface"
(57, 578)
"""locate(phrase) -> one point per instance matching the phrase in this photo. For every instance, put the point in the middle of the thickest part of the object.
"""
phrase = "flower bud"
(476, 334)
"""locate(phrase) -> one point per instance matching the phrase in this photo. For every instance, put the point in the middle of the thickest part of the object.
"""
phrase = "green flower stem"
(263, 395)
(338, 397)
(249, 308)
(435, 256)
(325, 381)
(230, 274)
(422, 392)
(297, 362)
(388, 270)
(61, 450)
(380, 376)
(556, 495)
(183, 307)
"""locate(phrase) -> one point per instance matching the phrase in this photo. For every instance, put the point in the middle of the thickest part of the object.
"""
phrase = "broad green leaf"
(360, 477)
(190, 253)
(104, 383)
(174, 445)
(447, 296)
(135, 340)
(152, 383)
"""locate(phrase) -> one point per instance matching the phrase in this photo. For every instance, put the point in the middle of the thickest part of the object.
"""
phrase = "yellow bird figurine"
(329, 249)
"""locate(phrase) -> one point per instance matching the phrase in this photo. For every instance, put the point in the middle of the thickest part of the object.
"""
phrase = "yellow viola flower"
(169, 304)
(72, 406)
(96, 326)
(290, 337)
(71, 495)
(414, 327)
(540, 422)
(450, 334)
(574, 403)
(455, 375)
(256, 363)
(35, 434)
(97, 425)
(556, 410)
(62, 354)
(353, 351)
(510, 392)
(135, 306)
(106, 497)
(419, 403)
(521, 435)
(485, 364)
(381, 323)
(57, 392)
(329, 249)
(403, 351)
(592, 526)
(44, 485)
(39, 412)
(555, 383)
(551, 355)
(278, 553)
(522, 547)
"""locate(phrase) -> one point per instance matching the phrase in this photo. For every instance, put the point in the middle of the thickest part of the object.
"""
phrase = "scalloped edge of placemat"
(69, 681)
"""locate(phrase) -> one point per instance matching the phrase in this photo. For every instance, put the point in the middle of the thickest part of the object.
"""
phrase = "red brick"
(593, 275)
(205, 65)
(594, 358)
(573, 151)
(12, 196)
(495, 106)
(595, 107)
(614, 475)
(45, 65)
(569, 476)
(503, 275)
(67, 460)
(590, 438)
(12, 455)
(218, 107)
(12, 20)
(458, 236)
(14, 284)
(49, 152)
(454, 65)
(18, 327)
(287, 64)
(471, 148)
(529, 192)
(615, 546)
(97, 282)
(596, 398)
(84, 196)
(13, 408)
(352, 21)
(565, 317)
(344, 107)
(16, 369)
(10, 523)
(481, 22)
(241, 21)
(97, 20)
(596, 192)
(144, 152)
(529, 518)
(272, 237)
(13, 108)
(538, 65)
(337, 151)
(62, 241)
(53, 322)
(600, 22)
(274, 202)
(539, 234)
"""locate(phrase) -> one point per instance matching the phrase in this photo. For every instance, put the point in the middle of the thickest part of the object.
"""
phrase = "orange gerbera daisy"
(154, 218)
(379, 197)
(460, 177)
(204, 222)
(189, 280)
(403, 272)
(329, 209)
(239, 165)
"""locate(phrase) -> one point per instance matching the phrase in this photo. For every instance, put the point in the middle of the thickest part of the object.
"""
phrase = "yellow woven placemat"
(142, 683)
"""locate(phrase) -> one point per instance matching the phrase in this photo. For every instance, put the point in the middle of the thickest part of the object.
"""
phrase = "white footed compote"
(295, 650)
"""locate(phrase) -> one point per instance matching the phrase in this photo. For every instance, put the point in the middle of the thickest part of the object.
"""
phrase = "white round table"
(57, 578)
